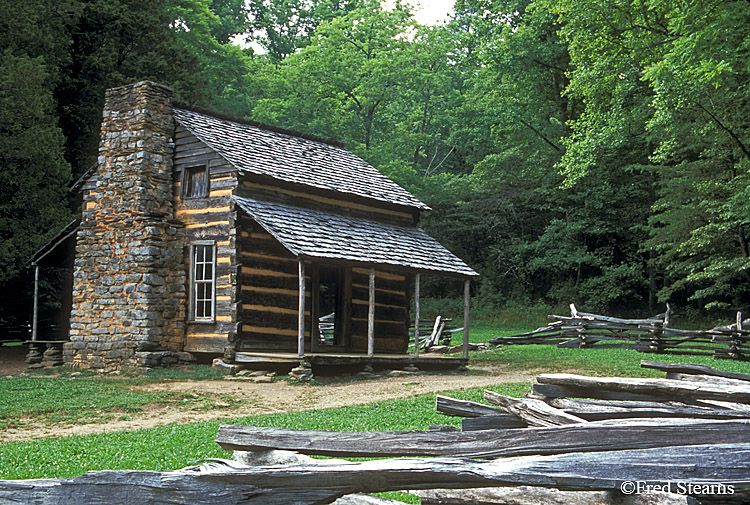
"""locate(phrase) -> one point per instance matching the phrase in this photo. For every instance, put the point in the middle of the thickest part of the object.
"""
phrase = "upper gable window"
(195, 182)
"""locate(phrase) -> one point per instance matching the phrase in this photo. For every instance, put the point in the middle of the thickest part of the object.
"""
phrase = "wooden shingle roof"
(317, 234)
(294, 159)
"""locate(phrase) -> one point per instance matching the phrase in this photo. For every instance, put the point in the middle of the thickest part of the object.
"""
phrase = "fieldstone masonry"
(129, 293)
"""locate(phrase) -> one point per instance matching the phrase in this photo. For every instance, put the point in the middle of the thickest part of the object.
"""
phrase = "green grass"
(550, 358)
(175, 447)
(68, 397)
(60, 399)
(483, 333)
(612, 362)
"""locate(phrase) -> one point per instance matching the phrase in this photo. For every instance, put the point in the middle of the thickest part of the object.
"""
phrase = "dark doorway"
(329, 306)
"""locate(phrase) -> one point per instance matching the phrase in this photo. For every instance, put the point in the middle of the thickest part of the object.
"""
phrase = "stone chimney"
(129, 294)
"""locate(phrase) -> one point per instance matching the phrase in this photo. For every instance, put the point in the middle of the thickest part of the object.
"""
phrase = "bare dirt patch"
(12, 359)
(238, 397)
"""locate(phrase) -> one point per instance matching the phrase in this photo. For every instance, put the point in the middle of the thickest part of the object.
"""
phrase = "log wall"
(268, 296)
(211, 218)
(268, 292)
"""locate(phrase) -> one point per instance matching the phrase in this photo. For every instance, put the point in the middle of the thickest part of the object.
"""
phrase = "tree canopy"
(572, 150)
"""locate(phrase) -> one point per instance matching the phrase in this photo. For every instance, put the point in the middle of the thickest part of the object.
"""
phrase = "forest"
(586, 151)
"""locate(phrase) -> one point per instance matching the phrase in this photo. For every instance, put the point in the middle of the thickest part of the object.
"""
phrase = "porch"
(352, 277)
(353, 361)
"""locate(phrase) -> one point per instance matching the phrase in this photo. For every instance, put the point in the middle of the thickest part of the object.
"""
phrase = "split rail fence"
(651, 335)
(572, 439)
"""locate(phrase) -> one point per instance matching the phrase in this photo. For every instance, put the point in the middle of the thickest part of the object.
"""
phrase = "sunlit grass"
(172, 447)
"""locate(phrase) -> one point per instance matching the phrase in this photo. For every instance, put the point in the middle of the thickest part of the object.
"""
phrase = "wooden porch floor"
(379, 360)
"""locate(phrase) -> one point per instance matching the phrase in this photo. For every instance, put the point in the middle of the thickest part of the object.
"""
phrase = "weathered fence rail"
(221, 483)
(651, 335)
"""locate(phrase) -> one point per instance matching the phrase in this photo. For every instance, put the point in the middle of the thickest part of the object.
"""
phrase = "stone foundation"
(129, 281)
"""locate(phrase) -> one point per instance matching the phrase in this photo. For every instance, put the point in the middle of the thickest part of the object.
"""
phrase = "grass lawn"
(45, 399)
(610, 362)
(71, 396)
(173, 447)
(550, 358)
(177, 446)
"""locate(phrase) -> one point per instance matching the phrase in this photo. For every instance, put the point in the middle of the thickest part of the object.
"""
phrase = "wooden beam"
(464, 408)
(270, 330)
(416, 315)
(555, 391)
(693, 369)
(380, 274)
(301, 312)
(466, 319)
(265, 308)
(665, 388)
(582, 437)
(202, 211)
(224, 483)
(502, 421)
(706, 379)
(527, 495)
(533, 412)
(220, 482)
(35, 316)
(264, 271)
(371, 317)
(207, 225)
(597, 410)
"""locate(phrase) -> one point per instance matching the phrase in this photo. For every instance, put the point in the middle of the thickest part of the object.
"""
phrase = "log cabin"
(202, 234)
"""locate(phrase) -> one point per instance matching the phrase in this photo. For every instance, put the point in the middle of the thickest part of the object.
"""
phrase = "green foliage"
(543, 136)
(665, 85)
(34, 174)
(115, 43)
(350, 71)
(232, 20)
(58, 57)
(575, 150)
(700, 94)
(281, 26)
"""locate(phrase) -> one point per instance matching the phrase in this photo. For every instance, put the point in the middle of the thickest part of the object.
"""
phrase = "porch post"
(371, 317)
(466, 319)
(416, 316)
(301, 319)
(34, 320)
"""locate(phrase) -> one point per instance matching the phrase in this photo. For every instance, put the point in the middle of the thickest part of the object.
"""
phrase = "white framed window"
(203, 281)
(194, 182)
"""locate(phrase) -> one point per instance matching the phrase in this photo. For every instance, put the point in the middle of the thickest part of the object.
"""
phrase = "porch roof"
(317, 234)
(60, 249)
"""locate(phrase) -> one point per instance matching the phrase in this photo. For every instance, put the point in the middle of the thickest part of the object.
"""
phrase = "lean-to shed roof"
(316, 234)
(294, 159)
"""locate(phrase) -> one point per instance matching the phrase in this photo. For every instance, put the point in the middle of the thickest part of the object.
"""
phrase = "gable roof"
(294, 159)
(317, 234)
